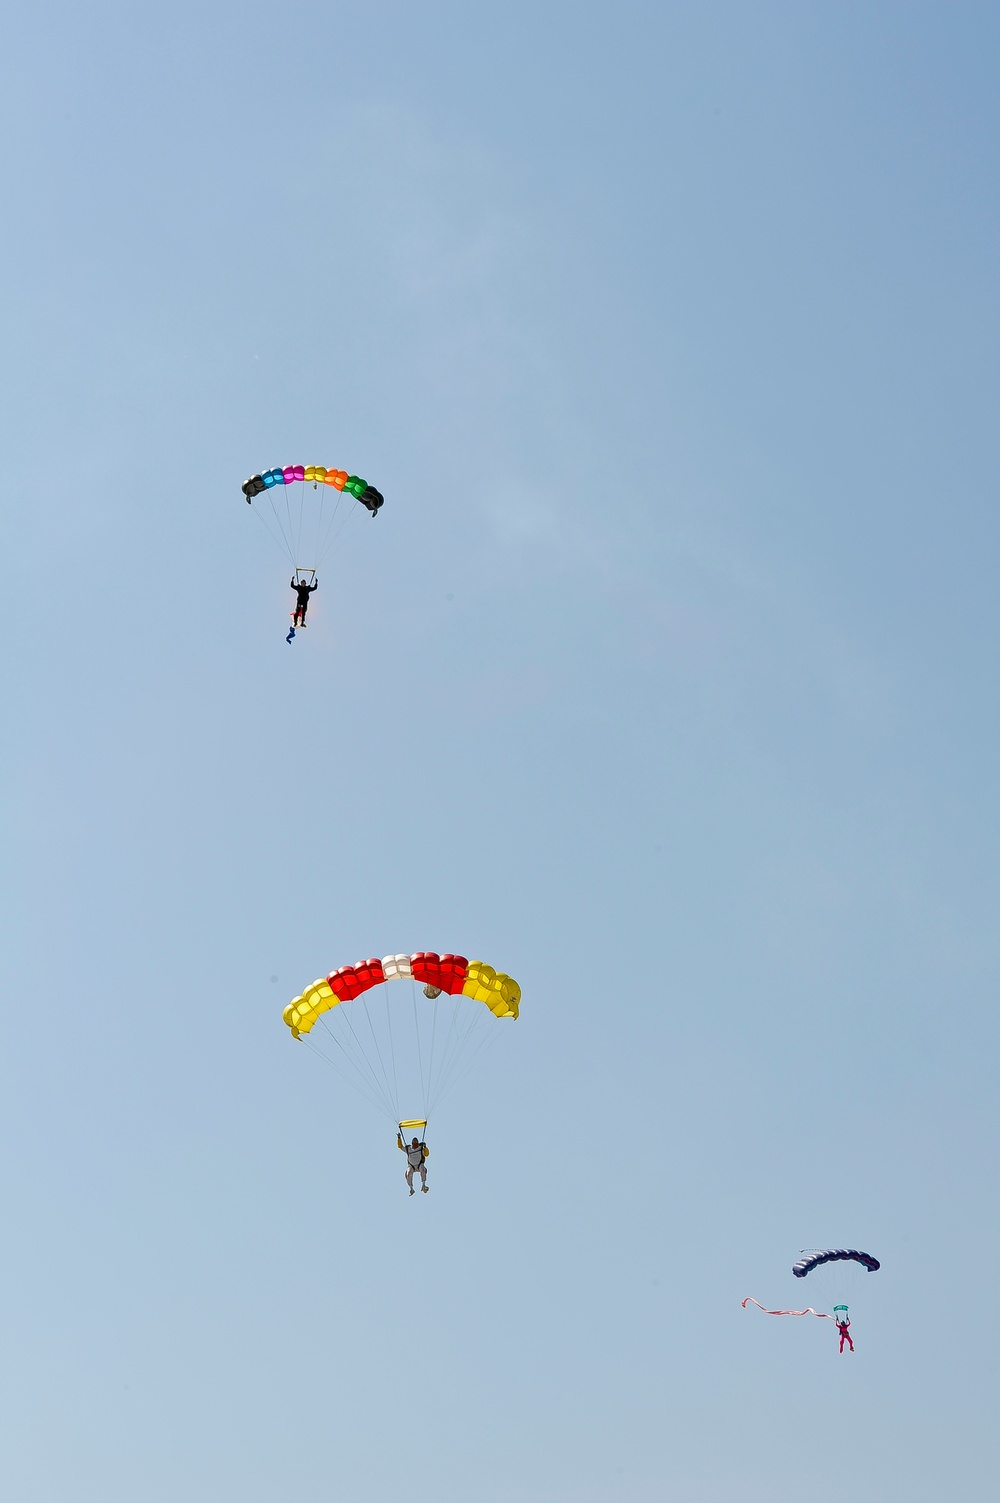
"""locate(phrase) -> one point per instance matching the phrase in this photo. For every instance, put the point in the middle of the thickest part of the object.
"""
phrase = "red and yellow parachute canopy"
(438, 973)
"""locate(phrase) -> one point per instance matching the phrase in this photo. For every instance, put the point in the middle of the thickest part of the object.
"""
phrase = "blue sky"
(664, 681)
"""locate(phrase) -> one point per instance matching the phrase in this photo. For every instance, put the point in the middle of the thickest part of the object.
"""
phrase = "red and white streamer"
(819, 1314)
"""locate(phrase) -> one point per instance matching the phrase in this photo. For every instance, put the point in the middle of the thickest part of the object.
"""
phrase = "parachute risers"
(440, 973)
(412, 1122)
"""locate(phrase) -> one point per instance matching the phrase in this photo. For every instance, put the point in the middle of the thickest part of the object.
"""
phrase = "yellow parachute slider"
(413, 1123)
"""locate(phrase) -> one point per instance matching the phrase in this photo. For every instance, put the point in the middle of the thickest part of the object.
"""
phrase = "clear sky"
(665, 681)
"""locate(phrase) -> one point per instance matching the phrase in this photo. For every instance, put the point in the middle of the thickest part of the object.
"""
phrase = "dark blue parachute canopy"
(834, 1255)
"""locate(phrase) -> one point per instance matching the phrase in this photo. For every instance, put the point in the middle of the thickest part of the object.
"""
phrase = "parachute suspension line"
(335, 532)
(347, 521)
(452, 1044)
(457, 1040)
(371, 1081)
(489, 1032)
(380, 1085)
(352, 1081)
(439, 1063)
(325, 526)
(463, 1056)
(302, 505)
(363, 1056)
(286, 537)
(333, 518)
(319, 525)
(455, 1059)
(392, 1047)
(484, 1031)
(288, 514)
(420, 1056)
(385, 1074)
(275, 536)
(430, 1064)
(356, 1081)
(325, 522)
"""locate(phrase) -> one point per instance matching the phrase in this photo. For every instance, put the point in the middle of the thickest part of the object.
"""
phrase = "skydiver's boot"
(425, 1188)
(412, 1191)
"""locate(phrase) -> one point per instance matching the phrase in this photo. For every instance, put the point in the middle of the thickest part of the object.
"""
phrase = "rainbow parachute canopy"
(813, 1260)
(439, 973)
(318, 475)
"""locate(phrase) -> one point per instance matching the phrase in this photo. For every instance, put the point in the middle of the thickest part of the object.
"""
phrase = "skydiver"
(416, 1152)
(302, 593)
(844, 1335)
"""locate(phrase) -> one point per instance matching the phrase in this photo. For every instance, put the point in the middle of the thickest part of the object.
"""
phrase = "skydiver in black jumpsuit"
(302, 593)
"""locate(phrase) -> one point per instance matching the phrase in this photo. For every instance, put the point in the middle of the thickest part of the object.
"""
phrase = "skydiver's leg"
(423, 1176)
(408, 1176)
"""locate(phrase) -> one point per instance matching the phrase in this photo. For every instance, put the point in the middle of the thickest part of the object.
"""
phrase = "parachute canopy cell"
(446, 973)
(812, 1260)
(316, 474)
